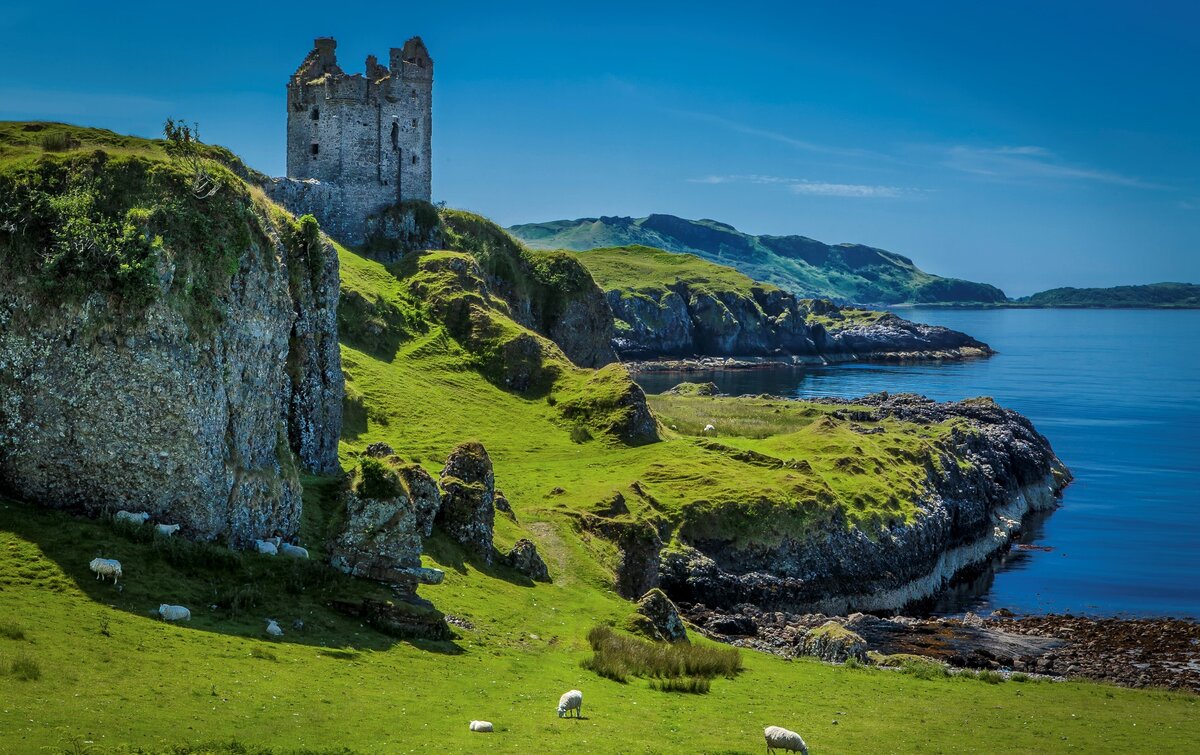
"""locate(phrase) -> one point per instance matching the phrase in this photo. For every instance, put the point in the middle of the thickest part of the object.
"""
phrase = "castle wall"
(366, 139)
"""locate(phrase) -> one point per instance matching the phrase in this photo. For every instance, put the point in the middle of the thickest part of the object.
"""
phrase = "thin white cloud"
(776, 136)
(808, 187)
(1031, 162)
(1188, 204)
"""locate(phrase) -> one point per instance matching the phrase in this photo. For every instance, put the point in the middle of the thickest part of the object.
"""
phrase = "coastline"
(704, 363)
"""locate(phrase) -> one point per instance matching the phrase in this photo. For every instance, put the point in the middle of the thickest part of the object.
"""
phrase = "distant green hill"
(803, 266)
(1154, 295)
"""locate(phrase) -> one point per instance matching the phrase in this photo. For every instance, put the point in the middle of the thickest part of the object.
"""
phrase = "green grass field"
(87, 667)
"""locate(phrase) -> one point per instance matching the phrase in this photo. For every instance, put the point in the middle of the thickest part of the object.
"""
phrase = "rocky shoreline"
(708, 363)
(993, 471)
(1129, 652)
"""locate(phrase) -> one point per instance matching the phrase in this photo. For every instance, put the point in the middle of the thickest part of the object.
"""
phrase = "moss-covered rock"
(834, 643)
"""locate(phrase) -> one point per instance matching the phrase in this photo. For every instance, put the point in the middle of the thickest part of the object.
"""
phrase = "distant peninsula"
(843, 273)
(1151, 296)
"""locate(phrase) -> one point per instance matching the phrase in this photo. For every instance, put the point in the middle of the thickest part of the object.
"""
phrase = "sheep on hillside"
(273, 628)
(167, 529)
(106, 567)
(132, 518)
(571, 701)
(267, 547)
(779, 738)
(709, 429)
(481, 726)
(295, 551)
(174, 613)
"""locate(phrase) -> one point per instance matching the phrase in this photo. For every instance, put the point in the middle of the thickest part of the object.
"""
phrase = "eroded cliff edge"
(994, 468)
(189, 342)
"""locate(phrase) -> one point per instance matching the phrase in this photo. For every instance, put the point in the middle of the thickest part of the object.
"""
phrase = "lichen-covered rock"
(834, 643)
(524, 558)
(662, 616)
(379, 540)
(205, 410)
(503, 506)
(380, 450)
(413, 618)
(695, 389)
(468, 485)
(423, 493)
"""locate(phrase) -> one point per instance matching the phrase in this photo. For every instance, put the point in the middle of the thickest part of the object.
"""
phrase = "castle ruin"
(357, 144)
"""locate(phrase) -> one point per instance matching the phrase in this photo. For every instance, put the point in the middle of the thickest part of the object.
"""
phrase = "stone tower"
(357, 143)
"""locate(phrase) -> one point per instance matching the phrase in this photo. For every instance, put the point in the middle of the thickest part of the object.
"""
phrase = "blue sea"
(1117, 392)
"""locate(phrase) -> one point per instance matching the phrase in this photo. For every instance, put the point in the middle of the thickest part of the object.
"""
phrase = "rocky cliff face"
(680, 320)
(995, 469)
(194, 410)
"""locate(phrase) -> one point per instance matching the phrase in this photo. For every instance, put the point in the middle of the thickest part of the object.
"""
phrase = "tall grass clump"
(618, 657)
(691, 685)
(24, 667)
(927, 670)
(58, 141)
(11, 629)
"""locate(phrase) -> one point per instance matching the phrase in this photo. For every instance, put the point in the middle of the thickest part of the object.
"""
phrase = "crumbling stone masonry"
(357, 144)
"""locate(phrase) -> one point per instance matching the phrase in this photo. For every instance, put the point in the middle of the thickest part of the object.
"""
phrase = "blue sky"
(1025, 144)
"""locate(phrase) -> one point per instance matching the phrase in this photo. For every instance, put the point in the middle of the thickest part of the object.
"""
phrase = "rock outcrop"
(834, 643)
(380, 539)
(659, 618)
(995, 468)
(204, 404)
(524, 558)
(682, 321)
(468, 486)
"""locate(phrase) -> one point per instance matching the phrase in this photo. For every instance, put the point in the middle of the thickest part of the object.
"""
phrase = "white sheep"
(481, 726)
(106, 567)
(273, 628)
(779, 738)
(277, 540)
(167, 529)
(709, 429)
(571, 701)
(295, 551)
(267, 547)
(132, 518)
(174, 613)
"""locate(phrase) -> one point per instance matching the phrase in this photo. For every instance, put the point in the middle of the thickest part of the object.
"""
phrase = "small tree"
(183, 144)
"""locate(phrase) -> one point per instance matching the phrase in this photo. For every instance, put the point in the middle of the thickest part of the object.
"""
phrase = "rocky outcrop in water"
(995, 468)
(468, 486)
(683, 322)
(204, 416)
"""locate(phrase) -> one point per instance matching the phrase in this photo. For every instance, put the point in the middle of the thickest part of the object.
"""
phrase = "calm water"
(1118, 395)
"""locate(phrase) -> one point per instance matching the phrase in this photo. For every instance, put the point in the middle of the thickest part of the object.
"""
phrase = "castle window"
(414, 159)
(315, 149)
(414, 95)
(414, 122)
(395, 136)
(316, 114)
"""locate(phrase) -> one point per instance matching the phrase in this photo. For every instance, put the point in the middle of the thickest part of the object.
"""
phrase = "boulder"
(423, 493)
(524, 558)
(503, 506)
(662, 616)
(834, 643)
(467, 513)
(380, 450)
(379, 540)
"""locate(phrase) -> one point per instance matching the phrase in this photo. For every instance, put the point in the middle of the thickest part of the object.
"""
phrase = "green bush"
(924, 669)
(990, 677)
(690, 685)
(377, 480)
(618, 657)
(57, 141)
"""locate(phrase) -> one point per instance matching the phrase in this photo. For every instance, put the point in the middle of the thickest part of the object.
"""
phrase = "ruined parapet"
(367, 138)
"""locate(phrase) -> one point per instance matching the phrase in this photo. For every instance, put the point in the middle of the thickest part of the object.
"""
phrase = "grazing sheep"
(174, 613)
(167, 529)
(273, 628)
(295, 551)
(709, 429)
(106, 567)
(132, 518)
(277, 540)
(481, 726)
(779, 738)
(571, 701)
(267, 547)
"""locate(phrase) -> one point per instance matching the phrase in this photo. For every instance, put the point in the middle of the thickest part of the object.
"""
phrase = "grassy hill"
(848, 273)
(1152, 296)
(432, 358)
